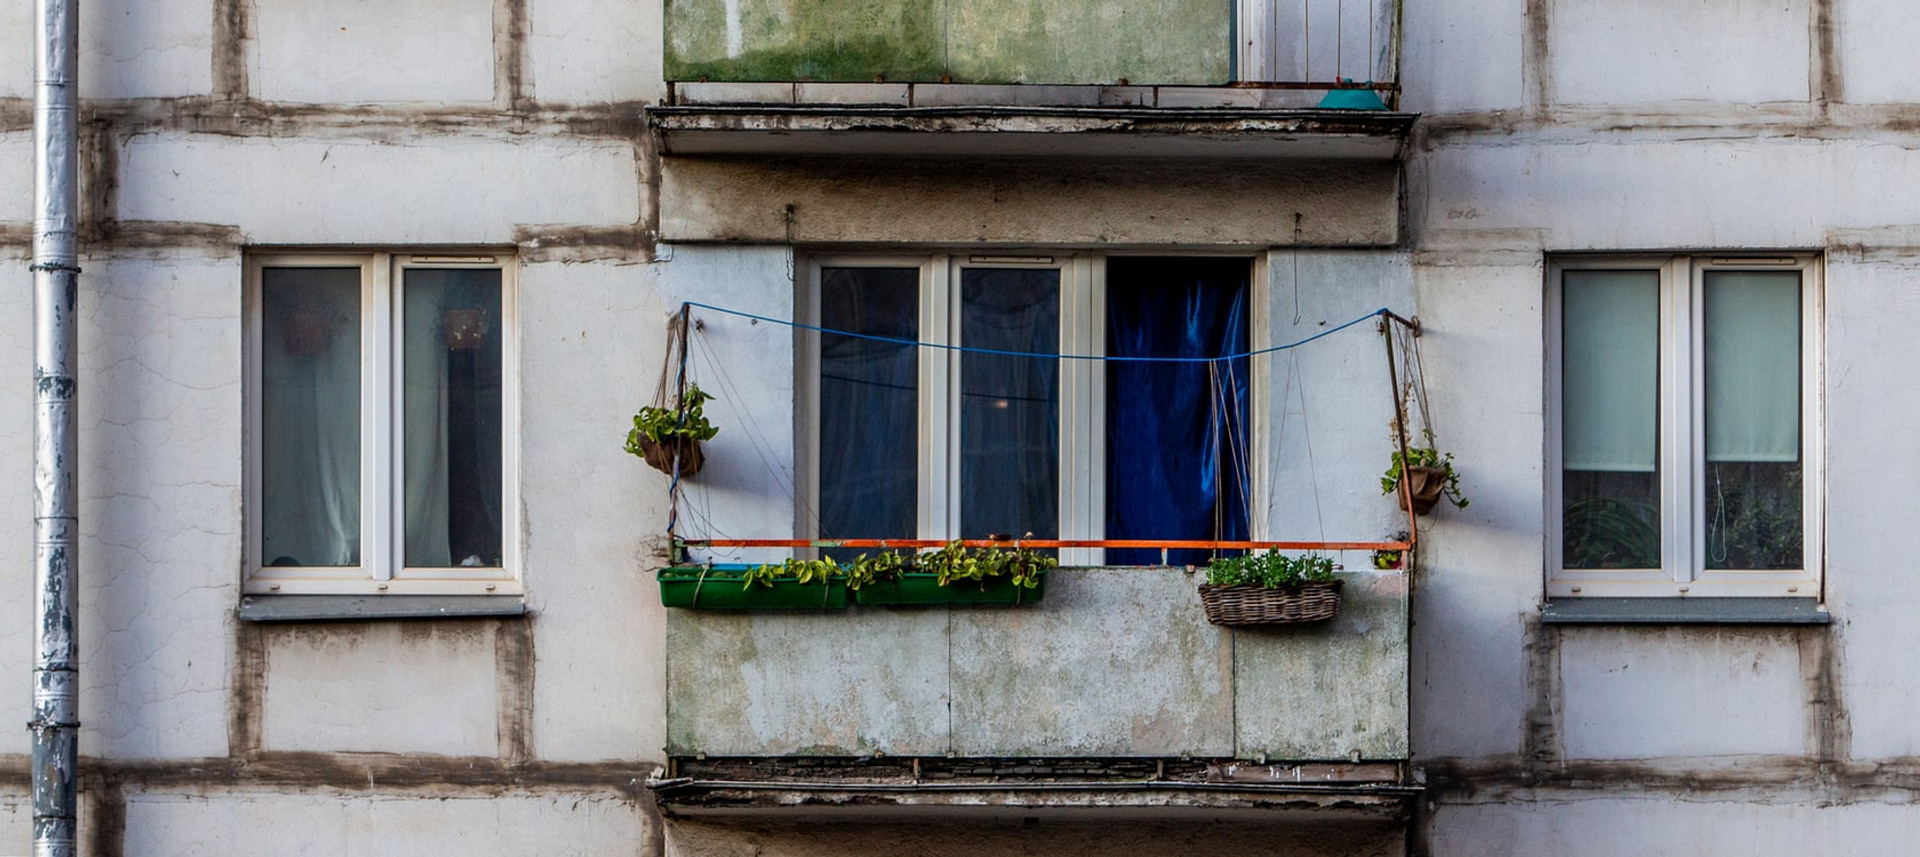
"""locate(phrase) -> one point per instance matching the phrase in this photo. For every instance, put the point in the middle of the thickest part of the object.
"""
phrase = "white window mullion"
(380, 498)
(1082, 430)
(939, 404)
(1813, 454)
(1686, 508)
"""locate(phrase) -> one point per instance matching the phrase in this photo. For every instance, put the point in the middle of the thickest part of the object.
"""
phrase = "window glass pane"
(451, 416)
(1753, 473)
(1009, 406)
(869, 397)
(1177, 453)
(310, 416)
(1610, 386)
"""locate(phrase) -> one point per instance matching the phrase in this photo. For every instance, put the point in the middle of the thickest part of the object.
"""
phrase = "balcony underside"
(1109, 789)
(1050, 132)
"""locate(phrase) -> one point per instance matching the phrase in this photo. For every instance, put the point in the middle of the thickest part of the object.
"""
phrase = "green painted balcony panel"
(1167, 42)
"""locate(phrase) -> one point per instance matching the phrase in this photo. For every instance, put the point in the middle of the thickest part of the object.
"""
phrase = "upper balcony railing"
(1274, 45)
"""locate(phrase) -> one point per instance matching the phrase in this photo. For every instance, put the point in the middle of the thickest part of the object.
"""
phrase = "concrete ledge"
(352, 608)
(1106, 801)
(1685, 611)
(1049, 132)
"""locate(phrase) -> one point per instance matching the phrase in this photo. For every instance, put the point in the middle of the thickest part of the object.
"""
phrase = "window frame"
(1083, 385)
(382, 568)
(1681, 412)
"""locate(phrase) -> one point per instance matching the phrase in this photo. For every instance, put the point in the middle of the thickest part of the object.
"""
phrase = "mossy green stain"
(978, 41)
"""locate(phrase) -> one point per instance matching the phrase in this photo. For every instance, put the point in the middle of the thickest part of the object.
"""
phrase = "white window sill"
(349, 608)
(1685, 611)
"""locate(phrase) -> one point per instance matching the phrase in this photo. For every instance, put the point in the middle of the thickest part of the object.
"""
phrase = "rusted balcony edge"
(1388, 804)
(1021, 131)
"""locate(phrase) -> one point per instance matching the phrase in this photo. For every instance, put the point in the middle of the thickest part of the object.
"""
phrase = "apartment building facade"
(370, 295)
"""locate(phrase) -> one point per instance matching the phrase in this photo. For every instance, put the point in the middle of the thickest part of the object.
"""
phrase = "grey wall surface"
(1113, 662)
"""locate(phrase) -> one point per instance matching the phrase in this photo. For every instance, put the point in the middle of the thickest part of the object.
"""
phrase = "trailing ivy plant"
(1020, 566)
(656, 424)
(1270, 570)
(819, 571)
(1424, 456)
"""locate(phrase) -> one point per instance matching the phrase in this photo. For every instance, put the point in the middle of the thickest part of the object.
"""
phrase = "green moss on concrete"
(823, 40)
(977, 41)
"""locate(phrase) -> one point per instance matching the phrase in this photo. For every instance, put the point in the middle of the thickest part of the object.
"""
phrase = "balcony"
(1111, 692)
(1064, 78)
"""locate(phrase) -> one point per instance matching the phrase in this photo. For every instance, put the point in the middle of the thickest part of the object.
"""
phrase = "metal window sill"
(1685, 611)
(356, 608)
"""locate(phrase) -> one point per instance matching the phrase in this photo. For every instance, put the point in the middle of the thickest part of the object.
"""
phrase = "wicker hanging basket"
(1259, 605)
(660, 455)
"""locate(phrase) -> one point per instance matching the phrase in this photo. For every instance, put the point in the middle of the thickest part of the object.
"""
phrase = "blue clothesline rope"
(1379, 313)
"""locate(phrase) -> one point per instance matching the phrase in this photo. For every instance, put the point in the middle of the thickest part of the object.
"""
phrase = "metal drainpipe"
(56, 721)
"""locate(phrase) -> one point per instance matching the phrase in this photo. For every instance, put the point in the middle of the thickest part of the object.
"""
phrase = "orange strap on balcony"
(1156, 544)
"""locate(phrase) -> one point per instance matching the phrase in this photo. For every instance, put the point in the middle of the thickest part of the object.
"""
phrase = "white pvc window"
(940, 443)
(1684, 426)
(380, 411)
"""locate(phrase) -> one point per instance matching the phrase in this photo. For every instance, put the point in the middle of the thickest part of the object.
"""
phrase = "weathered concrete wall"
(581, 823)
(1002, 41)
(1242, 204)
(1613, 127)
(1114, 662)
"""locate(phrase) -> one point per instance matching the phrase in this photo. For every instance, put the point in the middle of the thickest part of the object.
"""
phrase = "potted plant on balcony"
(663, 435)
(1270, 588)
(951, 575)
(795, 584)
(1423, 475)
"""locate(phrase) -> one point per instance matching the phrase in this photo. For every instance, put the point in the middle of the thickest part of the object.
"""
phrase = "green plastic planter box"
(724, 589)
(924, 590)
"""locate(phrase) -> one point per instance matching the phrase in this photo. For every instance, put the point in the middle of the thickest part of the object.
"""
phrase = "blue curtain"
(1177, 446)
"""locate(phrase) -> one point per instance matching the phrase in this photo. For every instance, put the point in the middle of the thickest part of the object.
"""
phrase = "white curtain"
(1610, 360)
(1753, 365)
(310, 417)
(424, 435)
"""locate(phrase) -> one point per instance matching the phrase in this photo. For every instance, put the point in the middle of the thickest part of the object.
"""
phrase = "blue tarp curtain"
(1176, 432)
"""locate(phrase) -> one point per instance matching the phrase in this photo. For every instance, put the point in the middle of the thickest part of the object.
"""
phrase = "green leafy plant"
(1424, 456)
(820, 571)
(656, 424)
(865, 570)
(1021, 566)
(1270, 570)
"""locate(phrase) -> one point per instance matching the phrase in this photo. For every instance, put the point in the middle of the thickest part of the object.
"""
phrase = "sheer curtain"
(1611, 360)
(310, 416)
(451, 438)
(1176, 432)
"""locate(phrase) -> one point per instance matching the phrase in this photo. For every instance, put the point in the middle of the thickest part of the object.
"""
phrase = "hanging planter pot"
(664, 436)
(464, 329)
(661, 455)
(1261, 605)
(307, 332)
(1420, 488)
